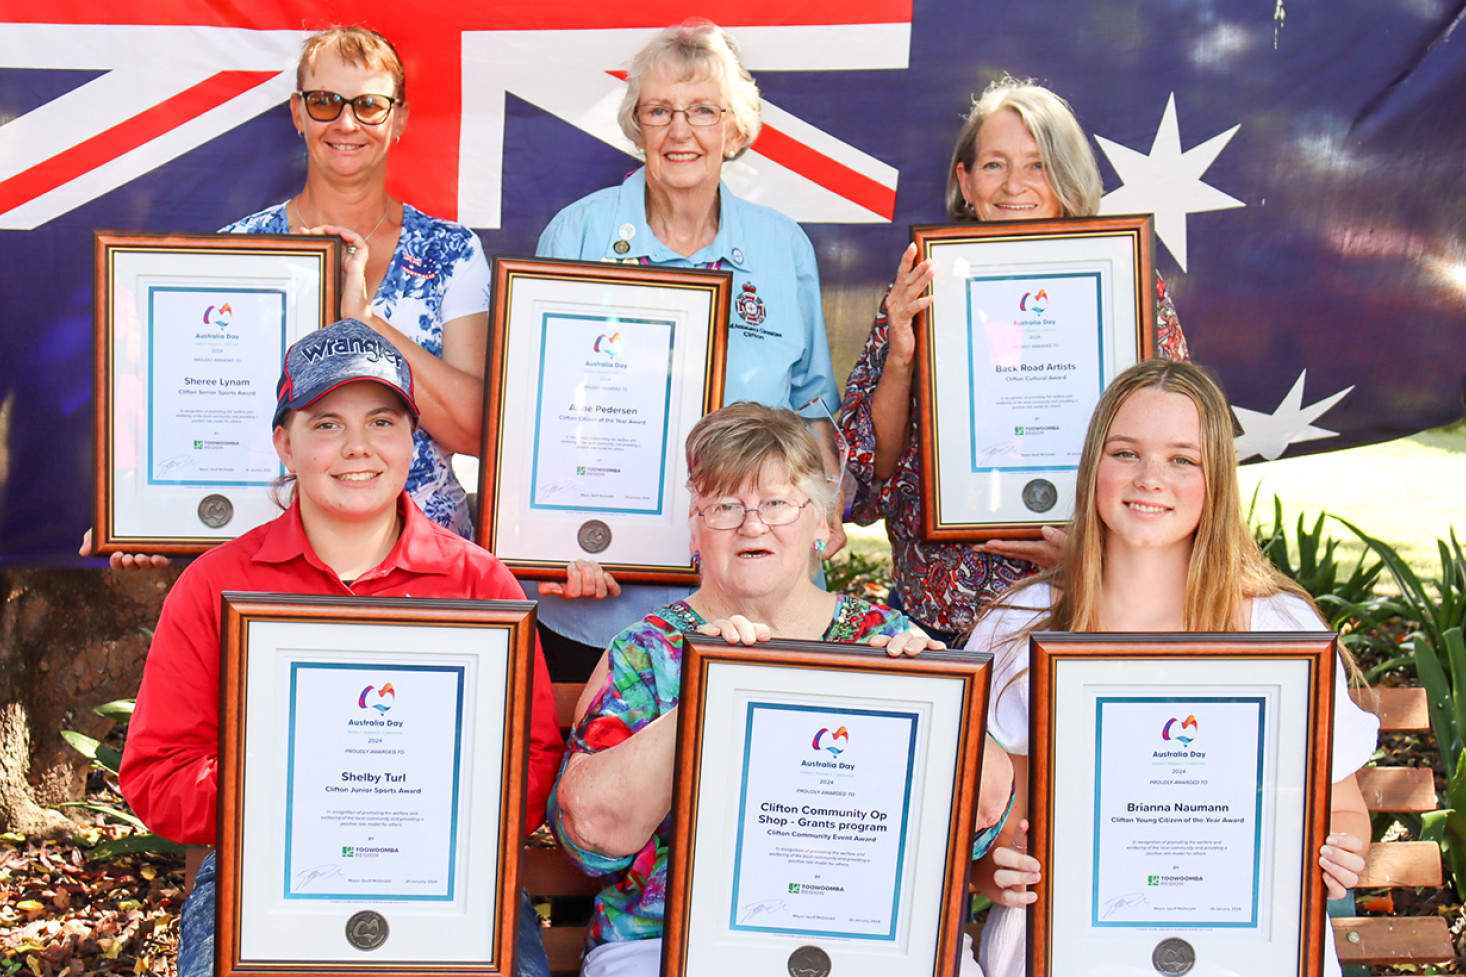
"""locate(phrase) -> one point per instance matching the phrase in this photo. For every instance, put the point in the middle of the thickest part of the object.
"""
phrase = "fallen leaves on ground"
(62, 913)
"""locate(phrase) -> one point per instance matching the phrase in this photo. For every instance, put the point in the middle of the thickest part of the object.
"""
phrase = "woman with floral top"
(760, 512)
(1020, 156)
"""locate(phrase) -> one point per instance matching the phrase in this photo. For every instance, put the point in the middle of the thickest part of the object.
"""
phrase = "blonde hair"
(357, 46)
(1068, 159)
(695, 50)
(731, 447)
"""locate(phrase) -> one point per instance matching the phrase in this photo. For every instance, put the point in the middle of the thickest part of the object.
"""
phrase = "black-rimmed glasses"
(370, 110)
(696, 115)
(772, 512)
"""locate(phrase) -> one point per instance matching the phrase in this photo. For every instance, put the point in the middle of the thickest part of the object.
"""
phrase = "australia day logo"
(379, 699)
(1176, 729)
(836, 743)
(218, 316)
(1034, 302)
(610, 345)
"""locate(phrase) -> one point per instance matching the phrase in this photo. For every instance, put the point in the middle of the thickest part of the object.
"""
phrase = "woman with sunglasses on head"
(690, 106)
(419, 281)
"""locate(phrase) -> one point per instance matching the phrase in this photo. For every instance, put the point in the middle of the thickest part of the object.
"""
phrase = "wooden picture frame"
(1030, 320)
(190, 332)
(376, 830)
(904, 733)
(1158, 764)
(596, 373)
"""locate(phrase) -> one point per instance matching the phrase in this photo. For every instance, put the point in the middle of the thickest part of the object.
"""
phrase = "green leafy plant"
(1319, 569)
(142, 840)
(859, 575)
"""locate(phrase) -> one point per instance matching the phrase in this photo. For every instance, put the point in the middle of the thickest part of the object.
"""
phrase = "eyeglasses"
(771, 512)
(696, 115)
(370, 110)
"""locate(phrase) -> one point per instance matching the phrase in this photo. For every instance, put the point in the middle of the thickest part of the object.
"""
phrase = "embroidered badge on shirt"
(750, 306)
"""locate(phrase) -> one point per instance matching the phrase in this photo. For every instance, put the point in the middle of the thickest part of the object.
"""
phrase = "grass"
(1407, 492)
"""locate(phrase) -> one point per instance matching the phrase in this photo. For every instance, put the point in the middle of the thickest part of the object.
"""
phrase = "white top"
(1355, 731)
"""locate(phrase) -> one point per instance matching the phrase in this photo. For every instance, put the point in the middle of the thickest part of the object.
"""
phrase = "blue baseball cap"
(341, 353)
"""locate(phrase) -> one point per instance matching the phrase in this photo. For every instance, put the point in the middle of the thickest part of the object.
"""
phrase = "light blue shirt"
(778, 353)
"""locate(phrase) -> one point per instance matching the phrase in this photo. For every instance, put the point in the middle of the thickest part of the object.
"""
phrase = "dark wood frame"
(239, 611)
(492, 464)
(972, 669)
(1049, 649)
(1138, 228)
(107, 244)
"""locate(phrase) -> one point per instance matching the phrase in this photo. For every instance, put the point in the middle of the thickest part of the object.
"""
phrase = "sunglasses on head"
(370, 110)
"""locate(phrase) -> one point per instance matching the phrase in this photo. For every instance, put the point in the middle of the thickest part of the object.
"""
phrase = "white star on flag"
(1269, 435)
(1168, 182)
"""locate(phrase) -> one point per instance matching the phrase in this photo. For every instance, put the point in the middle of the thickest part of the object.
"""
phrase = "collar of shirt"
(418, 549)
(728, 247)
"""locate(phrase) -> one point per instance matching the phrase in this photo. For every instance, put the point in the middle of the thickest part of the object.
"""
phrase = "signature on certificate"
(754, 910)
(996, 452)
(169, 465)
(306, 876)
(1118, 903)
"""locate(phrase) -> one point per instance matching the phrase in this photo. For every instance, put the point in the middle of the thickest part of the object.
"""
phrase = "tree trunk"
(70, 640)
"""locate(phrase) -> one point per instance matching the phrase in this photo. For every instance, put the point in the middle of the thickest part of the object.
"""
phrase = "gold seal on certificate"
(809, 961)
(367, 930)
(215, 511)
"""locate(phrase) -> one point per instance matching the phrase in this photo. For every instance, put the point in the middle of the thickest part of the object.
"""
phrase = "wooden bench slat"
(1393, 939)
(563, 945)
(1403, 710)
(1398, 790)
(1399, 864)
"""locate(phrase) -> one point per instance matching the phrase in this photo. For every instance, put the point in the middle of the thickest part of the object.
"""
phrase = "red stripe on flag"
(127, 136)
(397, 17)
(828, 173)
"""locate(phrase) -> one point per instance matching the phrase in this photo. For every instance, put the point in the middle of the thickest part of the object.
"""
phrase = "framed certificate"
(1029, 321)
(190, 334)
(371, 784)
(823, 810)
(1179, 790)
(596, 374)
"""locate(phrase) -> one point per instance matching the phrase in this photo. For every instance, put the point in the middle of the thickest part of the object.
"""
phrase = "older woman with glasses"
(761, 506)
(690, 105)
(419, 281)
(1020, 156)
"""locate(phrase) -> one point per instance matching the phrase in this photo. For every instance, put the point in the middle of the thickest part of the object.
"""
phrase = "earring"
(819, 547)
(697, 557)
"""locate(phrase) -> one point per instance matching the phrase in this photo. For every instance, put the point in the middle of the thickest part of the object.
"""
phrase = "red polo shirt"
(170, 765)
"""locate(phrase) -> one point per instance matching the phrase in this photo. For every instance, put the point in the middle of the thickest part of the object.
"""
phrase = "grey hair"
(729, 448)
(695, 50)
(1068, 158)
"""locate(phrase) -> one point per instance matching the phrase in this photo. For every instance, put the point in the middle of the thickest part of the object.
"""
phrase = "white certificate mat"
(191, 332)
(1182, 817)
(825, 812)
(597, 373)
(1028, 323)
(372, 771)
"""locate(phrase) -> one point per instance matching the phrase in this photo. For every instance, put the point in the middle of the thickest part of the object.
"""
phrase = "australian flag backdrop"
(1305, 161)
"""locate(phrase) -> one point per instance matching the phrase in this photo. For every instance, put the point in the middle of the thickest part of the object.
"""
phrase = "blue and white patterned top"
(778, 353)
(438, 273)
